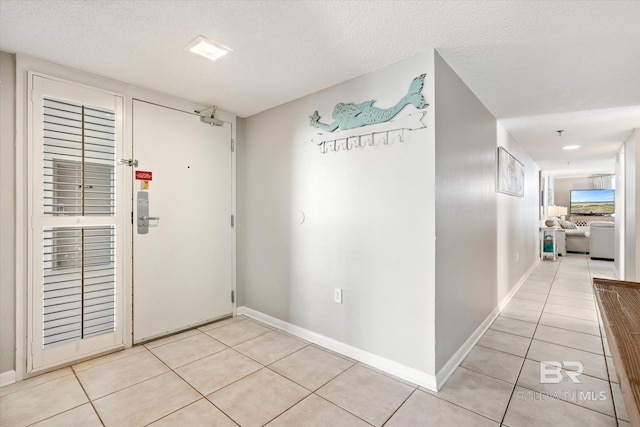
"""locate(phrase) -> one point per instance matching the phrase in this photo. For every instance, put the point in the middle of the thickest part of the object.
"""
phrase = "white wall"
(517, 221)
(240, 207)
(620, 223)
(369, 226)
(7, 211)
(632, 207)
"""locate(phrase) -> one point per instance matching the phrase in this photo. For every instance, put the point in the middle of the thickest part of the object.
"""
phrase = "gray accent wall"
(7, 211)
(466, 212)
(486, 241)
(368, 228)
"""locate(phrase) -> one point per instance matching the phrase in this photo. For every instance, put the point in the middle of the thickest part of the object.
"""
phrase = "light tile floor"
(241, 372)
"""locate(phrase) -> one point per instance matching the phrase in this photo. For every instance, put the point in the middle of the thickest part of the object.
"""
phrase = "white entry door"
(182, 266)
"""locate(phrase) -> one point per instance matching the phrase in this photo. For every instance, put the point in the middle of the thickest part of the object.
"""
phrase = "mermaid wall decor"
(351, 116)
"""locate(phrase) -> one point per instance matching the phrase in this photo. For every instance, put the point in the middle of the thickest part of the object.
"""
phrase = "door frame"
(27, 66)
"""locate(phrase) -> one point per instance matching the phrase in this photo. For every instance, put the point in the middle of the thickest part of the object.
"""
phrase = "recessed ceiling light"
(206, 48)
(570, 147)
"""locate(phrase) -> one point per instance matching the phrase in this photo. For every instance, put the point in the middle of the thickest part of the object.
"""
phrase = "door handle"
(143, 213)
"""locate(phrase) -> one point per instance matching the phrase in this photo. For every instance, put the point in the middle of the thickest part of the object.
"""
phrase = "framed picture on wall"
(510, 174)
(541, 192)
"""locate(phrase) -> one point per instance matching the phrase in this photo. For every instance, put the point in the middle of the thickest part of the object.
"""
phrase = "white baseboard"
(399, 370)
(447, 370)
(8, 377)
(389, 366)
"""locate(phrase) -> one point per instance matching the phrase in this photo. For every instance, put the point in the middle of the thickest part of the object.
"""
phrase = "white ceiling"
(537, 66)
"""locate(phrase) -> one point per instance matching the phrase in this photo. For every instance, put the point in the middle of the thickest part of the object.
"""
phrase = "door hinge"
(132, 217)
(233, 145)
(233, 221)
(233, 296)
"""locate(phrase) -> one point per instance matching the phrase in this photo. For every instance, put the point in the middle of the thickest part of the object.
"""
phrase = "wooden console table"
(619, 304)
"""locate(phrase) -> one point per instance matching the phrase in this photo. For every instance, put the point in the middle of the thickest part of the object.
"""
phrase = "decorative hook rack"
(369, 136)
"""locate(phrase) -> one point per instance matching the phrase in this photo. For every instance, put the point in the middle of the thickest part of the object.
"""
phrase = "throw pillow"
(568, 225)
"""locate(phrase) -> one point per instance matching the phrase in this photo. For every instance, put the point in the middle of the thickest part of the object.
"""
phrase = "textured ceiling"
(538, 66)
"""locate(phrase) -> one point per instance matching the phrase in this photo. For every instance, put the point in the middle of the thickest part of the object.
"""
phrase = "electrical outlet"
(517, 256)
(337, 295)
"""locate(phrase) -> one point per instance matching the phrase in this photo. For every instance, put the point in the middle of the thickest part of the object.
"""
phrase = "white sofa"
(602, 240)
(578, 240)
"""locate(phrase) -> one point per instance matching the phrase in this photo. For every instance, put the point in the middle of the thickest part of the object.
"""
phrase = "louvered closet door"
(76, 242)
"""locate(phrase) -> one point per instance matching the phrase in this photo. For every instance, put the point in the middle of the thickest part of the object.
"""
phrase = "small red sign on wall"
(144, 176)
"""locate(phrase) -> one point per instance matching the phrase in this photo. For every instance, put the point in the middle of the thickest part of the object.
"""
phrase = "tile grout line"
(604, 352)
(600, 327)
(196, 390)
(571, 402)
(197, 332)
(501, 351)
(193, 361)
(241, 342)
(294, 404)
(130, 385)
(263, 366)
(170, 370)
(340, 407)
(435, 394)
(312, 392)
(399, 406)
(87, 395)
(510, 333)
(544, 324)
(499, 379)
(608, 380)
(385, 374)
(309, 344)
(321, 385)
(35, 385)
(568, 346)
(279, 374)
(568, 401)
(515, 384)
(260, 363)
(95, 358)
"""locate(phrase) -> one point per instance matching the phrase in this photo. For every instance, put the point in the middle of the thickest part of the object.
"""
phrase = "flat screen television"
(592, 202)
